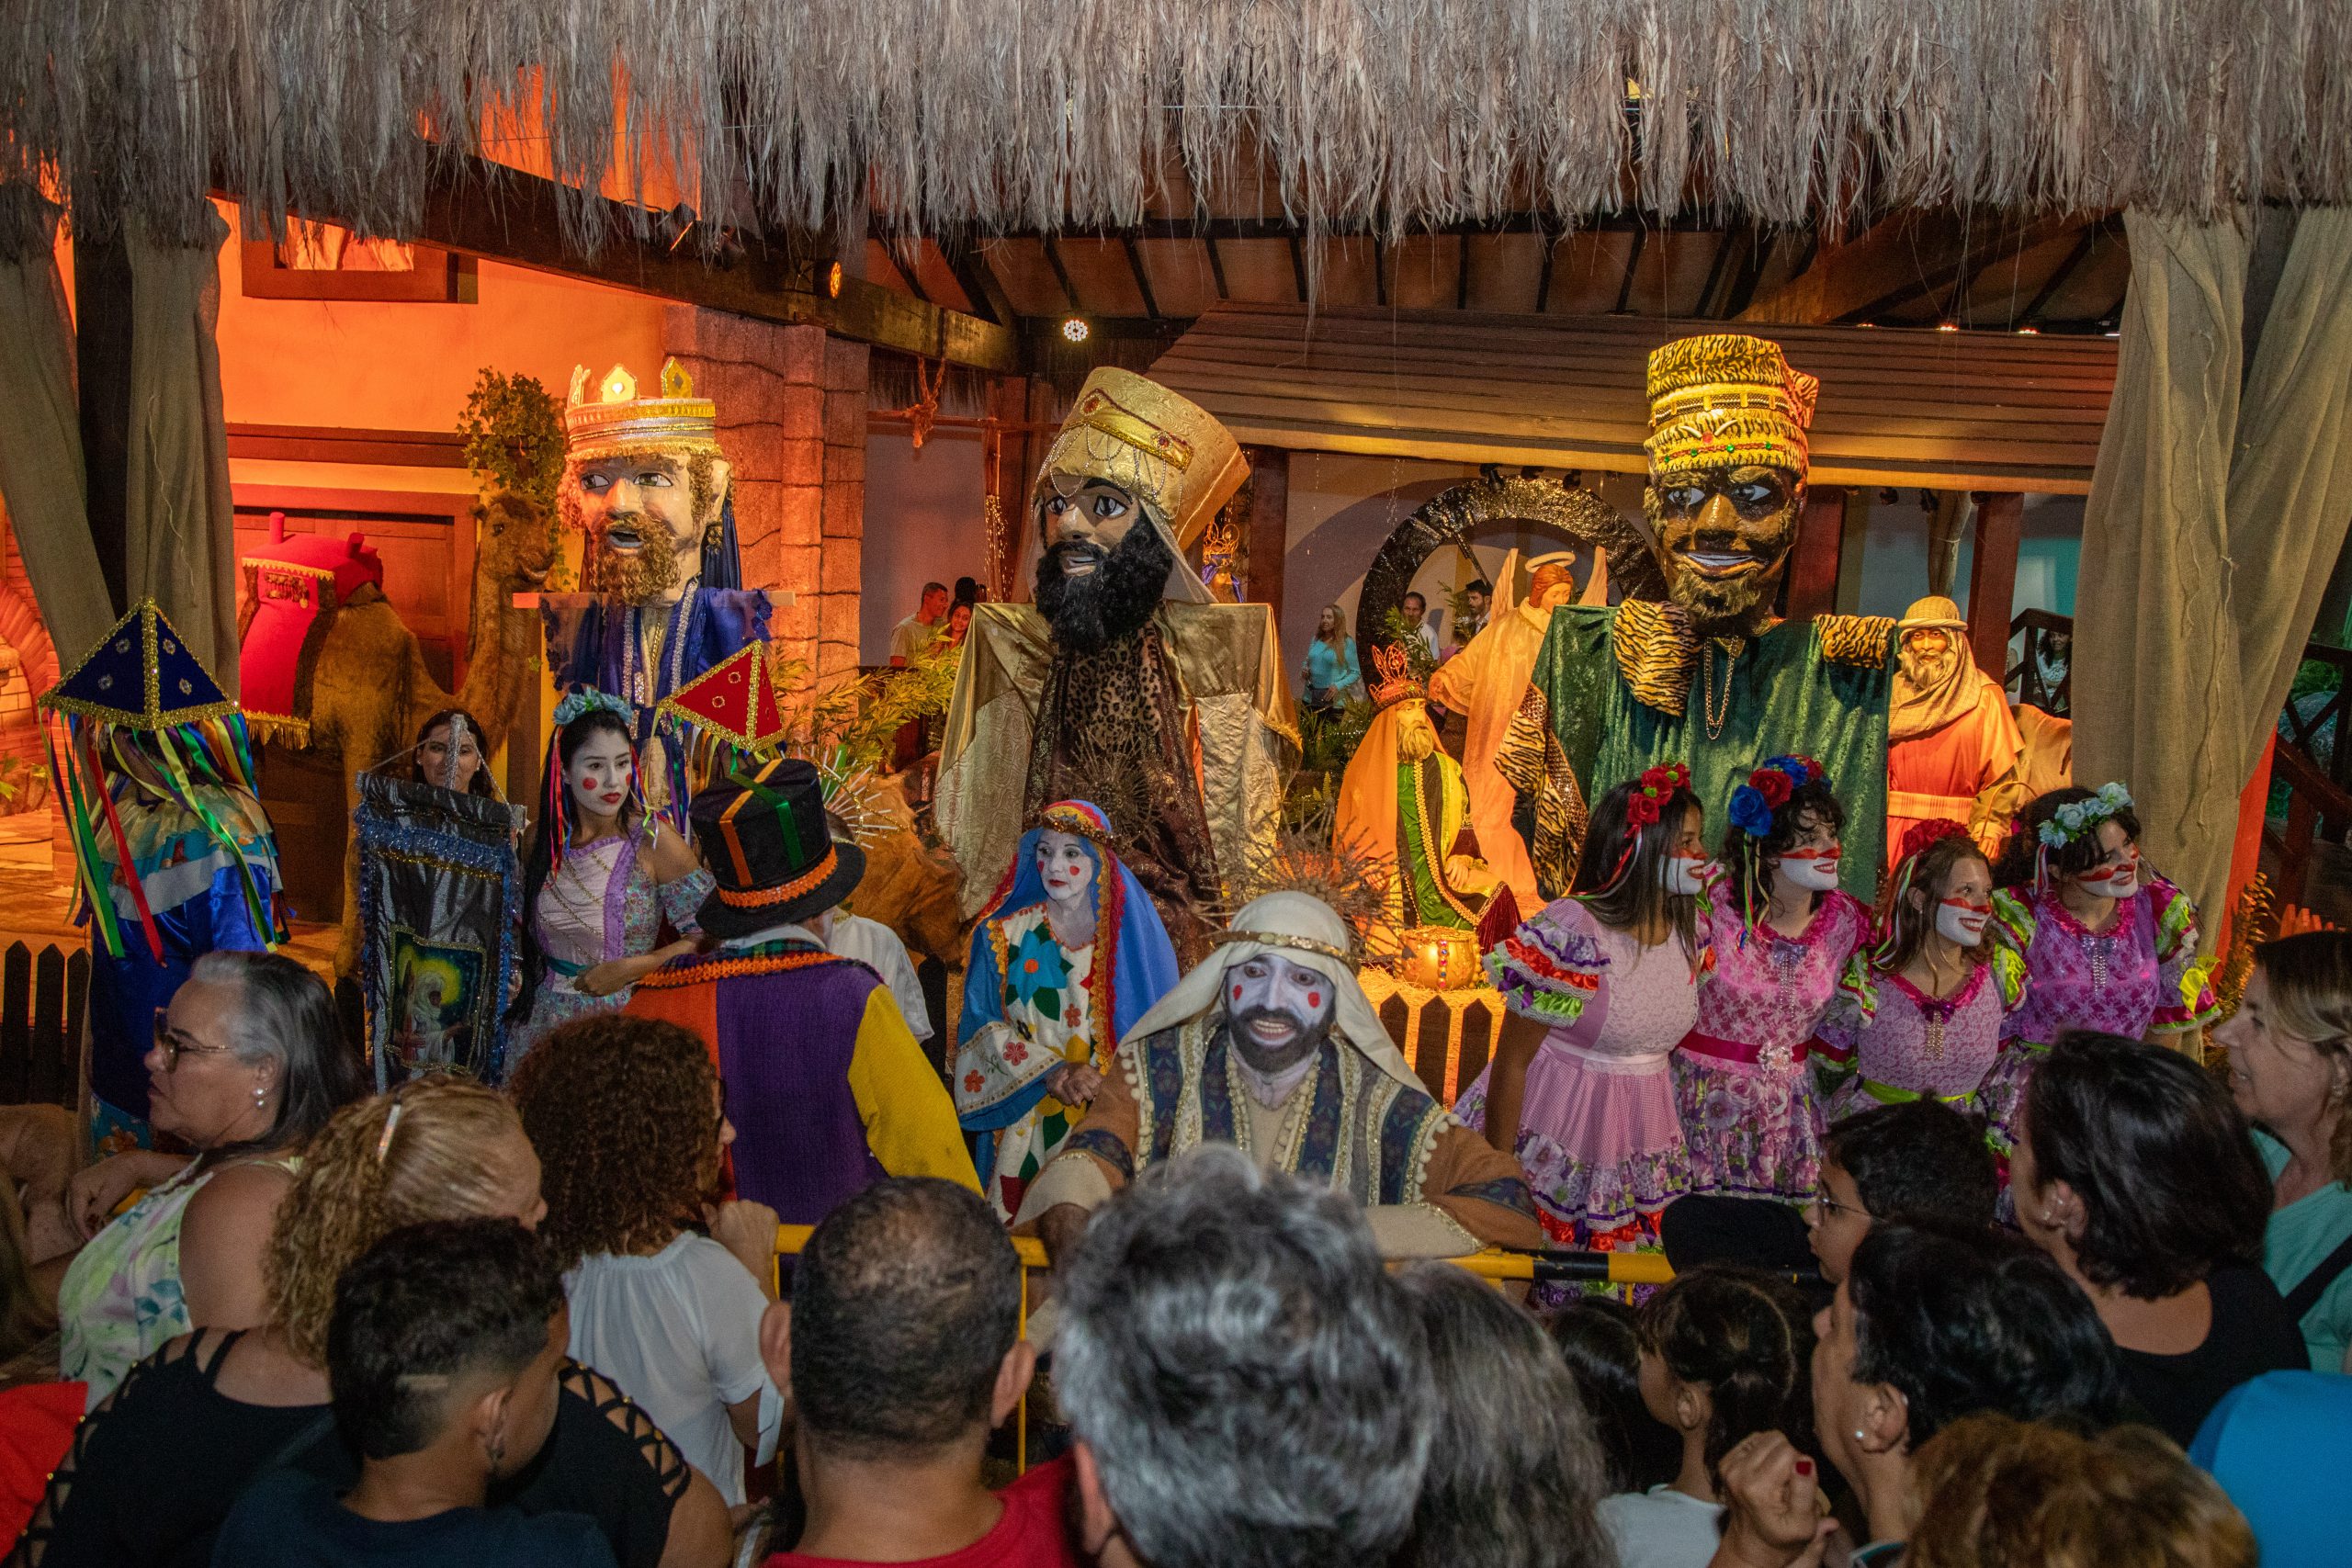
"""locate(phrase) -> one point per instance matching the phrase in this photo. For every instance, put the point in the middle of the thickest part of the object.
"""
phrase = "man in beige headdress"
(1271, 1045)
(1124, 685)
(1952, 747)
(1486, 681)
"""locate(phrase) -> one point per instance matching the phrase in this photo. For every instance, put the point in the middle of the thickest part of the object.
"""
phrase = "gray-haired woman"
(248, 1062)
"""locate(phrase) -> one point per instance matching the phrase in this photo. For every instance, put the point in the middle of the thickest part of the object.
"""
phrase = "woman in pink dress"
(1783, 932)
(2107, 943)
(1600, 986)
(1920, 1017)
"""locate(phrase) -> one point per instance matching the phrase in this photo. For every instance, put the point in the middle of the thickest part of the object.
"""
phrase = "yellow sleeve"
(910, 1121)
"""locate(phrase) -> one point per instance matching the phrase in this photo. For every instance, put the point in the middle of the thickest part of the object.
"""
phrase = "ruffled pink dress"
(1740, 1080)
(1598, 1137)
(1883, 1040)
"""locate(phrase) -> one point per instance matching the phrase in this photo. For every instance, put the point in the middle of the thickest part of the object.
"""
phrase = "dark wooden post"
(1993, 578)
(1269, 525)
(1812, 564)
(102, 349)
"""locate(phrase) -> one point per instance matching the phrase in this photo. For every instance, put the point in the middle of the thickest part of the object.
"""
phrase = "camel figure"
(366, 688)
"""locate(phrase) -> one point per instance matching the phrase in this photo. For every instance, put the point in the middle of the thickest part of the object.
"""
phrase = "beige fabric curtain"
(2214, 517)
(40, 456)
(182, 543)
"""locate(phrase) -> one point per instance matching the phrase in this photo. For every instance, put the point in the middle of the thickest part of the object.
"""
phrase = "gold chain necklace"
(1715, 716)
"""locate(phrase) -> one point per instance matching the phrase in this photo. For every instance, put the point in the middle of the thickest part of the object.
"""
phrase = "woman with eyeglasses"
(248, 1061)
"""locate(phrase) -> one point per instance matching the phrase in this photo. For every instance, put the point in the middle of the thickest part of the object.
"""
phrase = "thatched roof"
(970, 116)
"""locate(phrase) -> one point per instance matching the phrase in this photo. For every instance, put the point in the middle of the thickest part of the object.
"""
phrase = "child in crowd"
(1602, 985)
(2107, 943)
(1724, 1353)
(1916, 1159)
(442, 1360)
(1921, 1016)
(1598, 1338)
(1741, 1084)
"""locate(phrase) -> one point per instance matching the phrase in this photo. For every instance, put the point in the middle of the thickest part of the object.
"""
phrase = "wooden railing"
(41, 997)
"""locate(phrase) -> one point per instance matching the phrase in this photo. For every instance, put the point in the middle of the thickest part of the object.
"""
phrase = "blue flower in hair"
(584, 700)
(1750, 812)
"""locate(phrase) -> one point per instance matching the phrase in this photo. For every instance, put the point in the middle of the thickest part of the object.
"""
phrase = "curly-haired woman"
(627, 1118)
(154, 1471)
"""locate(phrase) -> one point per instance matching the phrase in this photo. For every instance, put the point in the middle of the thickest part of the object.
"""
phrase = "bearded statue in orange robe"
(1952, 747)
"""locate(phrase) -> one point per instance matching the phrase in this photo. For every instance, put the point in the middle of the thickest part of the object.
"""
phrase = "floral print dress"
(1048, 992)
(1883, 1040)
(1741, 1082)
(1599, 1135)
(601, 904)
(2138, 976)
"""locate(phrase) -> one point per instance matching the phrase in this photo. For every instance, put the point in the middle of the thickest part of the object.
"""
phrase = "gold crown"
(1727, 401)
(1393, 674)
(1166, 450)
(619, 420)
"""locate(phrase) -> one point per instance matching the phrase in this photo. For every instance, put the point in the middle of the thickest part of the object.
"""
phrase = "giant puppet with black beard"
(1708, 673)
(1124, 685)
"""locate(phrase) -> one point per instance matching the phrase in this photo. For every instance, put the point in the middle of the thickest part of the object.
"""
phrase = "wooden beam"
(2062, 273)
(1142, 282)
(1061, 275)
(1993, 577)
(1714, 273)
(102, 315)
(1217, 271)
(1269, 525)
(348, 444)
(1821, 544)
(1462, 272)
(1543, 273)
(978, 283)
(1633, 264)
(1926, 279)
(1374, 225)
(1298, 267)
(486, 210)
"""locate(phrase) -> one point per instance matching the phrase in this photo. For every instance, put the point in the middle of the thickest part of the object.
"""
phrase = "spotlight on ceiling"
(1076, 329)
(834, 281)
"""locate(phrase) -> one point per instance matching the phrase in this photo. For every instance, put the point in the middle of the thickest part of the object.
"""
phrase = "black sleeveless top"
(153, 1470)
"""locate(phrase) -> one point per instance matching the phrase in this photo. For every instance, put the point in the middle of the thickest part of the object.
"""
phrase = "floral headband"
(1918, 839)
(1645, 805)
(2077, 817)
(587, 699)
(1767, 790)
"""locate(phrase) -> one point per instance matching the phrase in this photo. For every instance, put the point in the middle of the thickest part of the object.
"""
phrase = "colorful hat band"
(761, 898)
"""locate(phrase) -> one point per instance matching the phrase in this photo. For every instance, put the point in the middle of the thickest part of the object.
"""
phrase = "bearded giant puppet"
(1708, 673)
(1124, 685)
(644, 479)
(1953, 749)
(1270, 1044)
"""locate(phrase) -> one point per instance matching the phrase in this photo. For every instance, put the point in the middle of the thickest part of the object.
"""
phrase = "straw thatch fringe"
(965, 115)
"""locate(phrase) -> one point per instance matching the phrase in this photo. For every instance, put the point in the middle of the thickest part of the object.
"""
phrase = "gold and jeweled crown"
(616, 420)
(1159, 447)
(1393, 676)
(1727, 401)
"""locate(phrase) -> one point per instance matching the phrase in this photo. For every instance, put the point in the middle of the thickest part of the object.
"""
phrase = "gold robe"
(1486, 681)
(1228, 662)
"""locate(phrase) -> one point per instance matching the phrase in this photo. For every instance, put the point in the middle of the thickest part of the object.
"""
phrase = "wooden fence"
(41, 997)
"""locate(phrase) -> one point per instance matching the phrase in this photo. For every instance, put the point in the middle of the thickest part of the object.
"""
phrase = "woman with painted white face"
(2107, 944)
(1600, 986)
(1065, 959)
(1919, 1017)
(1784, 934)
(603, 880)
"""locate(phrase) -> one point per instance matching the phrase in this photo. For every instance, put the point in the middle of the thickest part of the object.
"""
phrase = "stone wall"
(791, 405)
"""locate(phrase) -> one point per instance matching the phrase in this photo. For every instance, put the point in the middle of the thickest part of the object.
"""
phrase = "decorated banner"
(439, 888)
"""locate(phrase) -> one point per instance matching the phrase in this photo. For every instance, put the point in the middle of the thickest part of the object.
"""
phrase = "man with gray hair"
(1271, 1047)
(1247, 1387)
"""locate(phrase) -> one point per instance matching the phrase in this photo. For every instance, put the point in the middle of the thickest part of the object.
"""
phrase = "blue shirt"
(2280, 1446)
(1327, 670)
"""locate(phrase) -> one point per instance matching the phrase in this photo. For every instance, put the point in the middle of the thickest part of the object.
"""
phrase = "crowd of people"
(1970, 1264)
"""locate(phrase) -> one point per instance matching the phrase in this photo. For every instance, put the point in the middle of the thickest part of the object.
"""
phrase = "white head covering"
(1306, 931)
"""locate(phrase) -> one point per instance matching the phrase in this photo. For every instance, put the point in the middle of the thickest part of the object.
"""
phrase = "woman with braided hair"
(1600, 986)
(604, 877)
(1921, 1016)
(155, 1469)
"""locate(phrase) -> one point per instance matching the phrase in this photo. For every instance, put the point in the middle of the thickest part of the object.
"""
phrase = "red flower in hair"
(1773, 786)
(1920, 836)
(1641, 808)
(1665, 780)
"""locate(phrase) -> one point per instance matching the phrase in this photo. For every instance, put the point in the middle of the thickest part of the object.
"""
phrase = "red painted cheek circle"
(1315, 999)
(1237, 993)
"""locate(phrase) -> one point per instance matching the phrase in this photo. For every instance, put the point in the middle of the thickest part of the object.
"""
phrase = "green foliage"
(515, 445)
(1327, 739)
(2314, 675)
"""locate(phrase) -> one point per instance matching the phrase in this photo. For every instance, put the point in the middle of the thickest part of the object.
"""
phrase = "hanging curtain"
(40, 441)
(2218, 504)
(181, 545)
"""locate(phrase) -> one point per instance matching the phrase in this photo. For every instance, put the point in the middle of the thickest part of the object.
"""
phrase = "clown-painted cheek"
(1961, 922)
(2113, 881)
(1814, 870)
(1684, 875)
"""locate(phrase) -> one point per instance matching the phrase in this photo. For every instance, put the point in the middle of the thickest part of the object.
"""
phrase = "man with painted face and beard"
(1709, 673)
(1953, 749)
(1271, 1045)
(644, 479)
(1124, 685)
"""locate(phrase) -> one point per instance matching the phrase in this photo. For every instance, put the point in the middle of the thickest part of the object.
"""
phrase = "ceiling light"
(1076, 329)
(834, 281)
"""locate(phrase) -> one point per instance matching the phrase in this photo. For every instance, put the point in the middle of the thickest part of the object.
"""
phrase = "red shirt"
(1032, 1534)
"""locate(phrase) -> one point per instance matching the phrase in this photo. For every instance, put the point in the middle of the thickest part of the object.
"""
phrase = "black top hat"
(763, 835)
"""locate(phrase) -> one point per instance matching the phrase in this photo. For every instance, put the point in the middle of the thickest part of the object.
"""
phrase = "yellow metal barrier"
(1495, 1263)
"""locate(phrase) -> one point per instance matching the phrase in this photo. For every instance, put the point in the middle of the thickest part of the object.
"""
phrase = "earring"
(1860, 1437)
(261, 1098)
